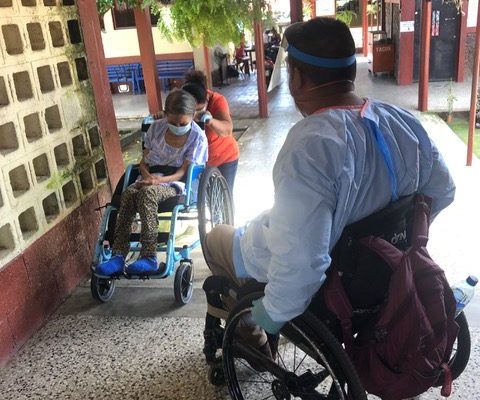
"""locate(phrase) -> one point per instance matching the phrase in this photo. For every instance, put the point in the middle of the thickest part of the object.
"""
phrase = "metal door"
(444, 37)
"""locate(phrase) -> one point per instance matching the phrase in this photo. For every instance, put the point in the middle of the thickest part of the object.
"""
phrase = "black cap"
(321, 37)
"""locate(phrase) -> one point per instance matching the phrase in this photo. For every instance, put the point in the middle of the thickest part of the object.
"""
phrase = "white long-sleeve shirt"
(328, 174)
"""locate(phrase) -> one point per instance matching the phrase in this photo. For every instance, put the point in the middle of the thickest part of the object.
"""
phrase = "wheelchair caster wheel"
(183, 285)
(215, 375)
(102, 288)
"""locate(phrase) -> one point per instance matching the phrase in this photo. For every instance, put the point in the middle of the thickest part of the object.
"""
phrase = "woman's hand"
(150, 180)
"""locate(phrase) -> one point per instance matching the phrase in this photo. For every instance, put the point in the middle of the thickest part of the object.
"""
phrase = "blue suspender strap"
(383, 147)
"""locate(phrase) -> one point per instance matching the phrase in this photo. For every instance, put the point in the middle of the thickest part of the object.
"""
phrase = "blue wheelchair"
(207, 200)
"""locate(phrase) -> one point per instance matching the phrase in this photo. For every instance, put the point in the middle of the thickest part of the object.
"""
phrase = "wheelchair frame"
(197, 191)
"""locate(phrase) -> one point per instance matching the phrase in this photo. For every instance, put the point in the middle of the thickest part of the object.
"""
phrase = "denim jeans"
(229, 170)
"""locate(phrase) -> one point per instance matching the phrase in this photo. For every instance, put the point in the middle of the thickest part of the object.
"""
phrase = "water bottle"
(463, 292)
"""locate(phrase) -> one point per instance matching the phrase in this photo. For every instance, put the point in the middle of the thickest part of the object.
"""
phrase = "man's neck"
(340, 94)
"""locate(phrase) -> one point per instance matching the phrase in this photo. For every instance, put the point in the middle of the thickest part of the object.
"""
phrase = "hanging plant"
(458, 4)
(209, 21)
(105, 5)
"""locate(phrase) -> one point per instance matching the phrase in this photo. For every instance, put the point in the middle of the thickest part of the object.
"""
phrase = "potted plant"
(451, 99)
(346, 16)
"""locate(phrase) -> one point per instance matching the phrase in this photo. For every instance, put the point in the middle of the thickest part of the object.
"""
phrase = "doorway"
(444, 38)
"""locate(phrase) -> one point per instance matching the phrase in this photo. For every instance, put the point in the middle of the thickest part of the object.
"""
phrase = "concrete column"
(296, 11)
(462, 40)
(424, 73)
(363, 10)
(406, 44)
(473, 96)
(260, 57)
(208, 68)
(101, 89)
(149, 62)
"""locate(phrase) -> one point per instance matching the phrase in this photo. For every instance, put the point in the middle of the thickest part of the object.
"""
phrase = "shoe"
(144, 265)
(111, 267)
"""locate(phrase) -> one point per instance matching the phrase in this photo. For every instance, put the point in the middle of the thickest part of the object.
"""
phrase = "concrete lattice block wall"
(51, 154)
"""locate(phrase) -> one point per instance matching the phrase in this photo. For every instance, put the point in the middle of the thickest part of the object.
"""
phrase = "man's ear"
(297, 81)
(292, 79)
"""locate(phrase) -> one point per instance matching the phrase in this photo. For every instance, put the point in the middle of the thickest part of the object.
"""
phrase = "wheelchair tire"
(183, 284)
(461, 350)
(102, 289)
(310, 363)
(215, 204)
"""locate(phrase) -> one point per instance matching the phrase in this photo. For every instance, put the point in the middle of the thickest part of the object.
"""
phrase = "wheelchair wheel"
(102, 289)
(183, 284)
(461, 350)
(310, 363)
(215, 205)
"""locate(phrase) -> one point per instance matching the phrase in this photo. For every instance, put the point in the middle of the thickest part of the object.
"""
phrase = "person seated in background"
(274, 37)
(241, 58)
(174, 141)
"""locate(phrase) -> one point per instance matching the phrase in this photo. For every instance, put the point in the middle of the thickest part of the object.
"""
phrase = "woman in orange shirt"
(213, 114)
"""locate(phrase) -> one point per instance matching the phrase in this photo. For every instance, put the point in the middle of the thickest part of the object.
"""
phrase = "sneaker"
(111, 267)
(143, 266)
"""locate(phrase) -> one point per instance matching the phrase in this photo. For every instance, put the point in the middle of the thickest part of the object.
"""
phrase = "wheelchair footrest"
(159, 273)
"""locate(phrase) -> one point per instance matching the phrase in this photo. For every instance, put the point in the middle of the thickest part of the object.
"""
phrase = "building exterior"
(451, 38)
(53, 172)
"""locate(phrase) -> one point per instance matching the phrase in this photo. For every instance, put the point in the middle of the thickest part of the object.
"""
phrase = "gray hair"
(180, 102)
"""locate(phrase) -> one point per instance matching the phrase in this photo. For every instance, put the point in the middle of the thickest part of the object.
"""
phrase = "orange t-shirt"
(221, 149)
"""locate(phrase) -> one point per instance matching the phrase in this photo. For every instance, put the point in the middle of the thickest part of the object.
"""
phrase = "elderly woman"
(171, 145)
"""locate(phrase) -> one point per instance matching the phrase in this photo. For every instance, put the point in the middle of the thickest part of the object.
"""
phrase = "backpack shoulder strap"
(337, 301)
(421, 220)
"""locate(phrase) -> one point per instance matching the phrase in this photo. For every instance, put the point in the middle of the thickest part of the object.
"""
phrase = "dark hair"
(196, 85)
(322, 37)
(180, 102)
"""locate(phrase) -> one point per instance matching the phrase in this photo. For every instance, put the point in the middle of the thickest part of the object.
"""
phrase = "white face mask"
(180, 130)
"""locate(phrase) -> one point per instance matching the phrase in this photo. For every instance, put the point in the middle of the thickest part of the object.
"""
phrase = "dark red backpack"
(404, 349)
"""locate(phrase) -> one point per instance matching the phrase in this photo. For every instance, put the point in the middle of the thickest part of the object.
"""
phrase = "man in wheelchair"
(347, 159)
(171, 145)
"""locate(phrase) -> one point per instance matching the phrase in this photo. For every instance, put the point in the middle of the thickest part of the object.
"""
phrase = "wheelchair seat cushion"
(170, 203)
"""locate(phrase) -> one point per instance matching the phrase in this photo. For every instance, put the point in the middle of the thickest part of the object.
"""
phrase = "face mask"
(180, 130)
(303, 97)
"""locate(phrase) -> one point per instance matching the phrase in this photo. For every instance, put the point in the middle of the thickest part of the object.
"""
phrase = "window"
(123, 17)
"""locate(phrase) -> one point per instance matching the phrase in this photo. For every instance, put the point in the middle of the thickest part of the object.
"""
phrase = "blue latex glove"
(261, 317)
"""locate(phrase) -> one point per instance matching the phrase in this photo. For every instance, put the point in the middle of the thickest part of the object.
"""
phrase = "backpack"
(404, 348)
